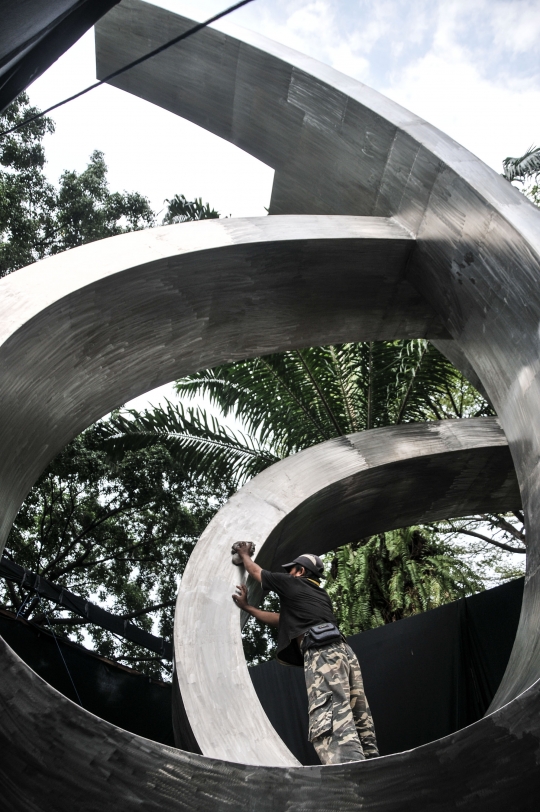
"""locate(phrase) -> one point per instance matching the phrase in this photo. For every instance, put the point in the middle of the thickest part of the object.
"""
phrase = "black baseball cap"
(311, 562)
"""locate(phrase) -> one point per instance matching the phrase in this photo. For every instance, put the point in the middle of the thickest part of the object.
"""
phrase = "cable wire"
(61, 655)
(185, 35)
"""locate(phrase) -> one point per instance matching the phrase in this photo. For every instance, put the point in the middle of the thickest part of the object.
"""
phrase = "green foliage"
(119, 532)
(526, 171)
(293, 400)
(495, 544)
(27, 200)
(180, 210)
(523, 168)
(394, 575)
(533, 193)
(38, 219)
(260, 641)
(205, 449)
(86, 210)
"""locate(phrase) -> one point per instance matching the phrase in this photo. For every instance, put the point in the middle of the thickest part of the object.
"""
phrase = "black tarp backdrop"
(120, 695)
(425, 677)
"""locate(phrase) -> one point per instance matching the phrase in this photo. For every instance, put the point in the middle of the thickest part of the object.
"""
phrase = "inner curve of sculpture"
(422, 240)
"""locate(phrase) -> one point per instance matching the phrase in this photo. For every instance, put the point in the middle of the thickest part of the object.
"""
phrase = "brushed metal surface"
(56, 757)
(84, 331)
(334, 493)
(339, 147)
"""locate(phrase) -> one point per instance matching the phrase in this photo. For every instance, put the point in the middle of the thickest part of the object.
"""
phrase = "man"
(340, 723)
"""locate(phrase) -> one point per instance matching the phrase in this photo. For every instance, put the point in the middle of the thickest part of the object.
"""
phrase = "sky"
(470, 67)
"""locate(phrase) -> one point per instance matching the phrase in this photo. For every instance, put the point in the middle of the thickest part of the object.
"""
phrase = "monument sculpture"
(382, 227)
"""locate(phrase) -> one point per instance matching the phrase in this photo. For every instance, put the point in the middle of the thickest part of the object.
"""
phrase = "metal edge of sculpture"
(368, 482)
(74, 346)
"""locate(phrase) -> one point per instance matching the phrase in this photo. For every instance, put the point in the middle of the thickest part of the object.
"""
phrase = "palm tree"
(182, 210)
(524, 168)
(290, 401)
(293, 400)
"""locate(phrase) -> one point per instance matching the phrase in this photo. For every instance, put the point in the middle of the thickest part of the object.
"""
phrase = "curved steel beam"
(35, 34)
(84, 331)
(321, 498)
(339, 147)
(57, 757)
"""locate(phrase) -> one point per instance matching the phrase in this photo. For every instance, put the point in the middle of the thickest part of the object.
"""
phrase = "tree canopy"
(38, 219)
(118, 533)
(394, 575)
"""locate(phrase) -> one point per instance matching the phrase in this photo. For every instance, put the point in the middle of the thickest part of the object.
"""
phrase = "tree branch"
(148, 609)
(53, 575)
(463, 531)
(501, 522)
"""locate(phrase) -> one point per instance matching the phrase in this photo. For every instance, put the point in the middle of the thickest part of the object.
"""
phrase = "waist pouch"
(321, 635)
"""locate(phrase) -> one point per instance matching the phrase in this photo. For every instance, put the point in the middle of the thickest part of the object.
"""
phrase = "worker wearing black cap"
(340, 722)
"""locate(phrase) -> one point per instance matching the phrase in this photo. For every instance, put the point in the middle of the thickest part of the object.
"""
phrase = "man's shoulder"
(275, 578)
(280, 576)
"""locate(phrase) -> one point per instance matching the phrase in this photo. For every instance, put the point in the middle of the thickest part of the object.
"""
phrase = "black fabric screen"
(425, 677)
(122, 696)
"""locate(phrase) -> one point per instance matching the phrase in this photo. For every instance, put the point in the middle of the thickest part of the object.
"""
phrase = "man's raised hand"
(240, 597)
(242, 550)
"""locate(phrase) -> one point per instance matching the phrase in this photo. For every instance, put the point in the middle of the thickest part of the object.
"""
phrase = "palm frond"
(206, 448)
(395, 575)
(522, 168)
(295, 399)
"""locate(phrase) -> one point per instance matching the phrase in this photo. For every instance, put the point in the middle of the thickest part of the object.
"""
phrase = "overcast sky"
(470, 67)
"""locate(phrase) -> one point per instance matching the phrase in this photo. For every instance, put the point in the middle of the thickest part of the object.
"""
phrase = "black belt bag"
(321, 635)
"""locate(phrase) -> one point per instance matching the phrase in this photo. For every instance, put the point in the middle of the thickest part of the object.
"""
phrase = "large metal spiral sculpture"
(385, 228)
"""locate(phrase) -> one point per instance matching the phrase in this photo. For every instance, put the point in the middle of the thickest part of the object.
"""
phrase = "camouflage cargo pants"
(340, 722)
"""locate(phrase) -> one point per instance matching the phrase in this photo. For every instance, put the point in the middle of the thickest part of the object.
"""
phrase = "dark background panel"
(120, 695)
(425, 677)
(34, 33)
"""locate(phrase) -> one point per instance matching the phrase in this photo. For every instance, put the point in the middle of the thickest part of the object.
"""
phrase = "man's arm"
(240, 599)
(251, 567)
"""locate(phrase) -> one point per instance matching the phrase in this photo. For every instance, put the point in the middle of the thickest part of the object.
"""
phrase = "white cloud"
(467, 66)
(491, 121)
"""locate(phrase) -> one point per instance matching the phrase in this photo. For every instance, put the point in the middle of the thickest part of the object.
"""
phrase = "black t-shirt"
(303, 603)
